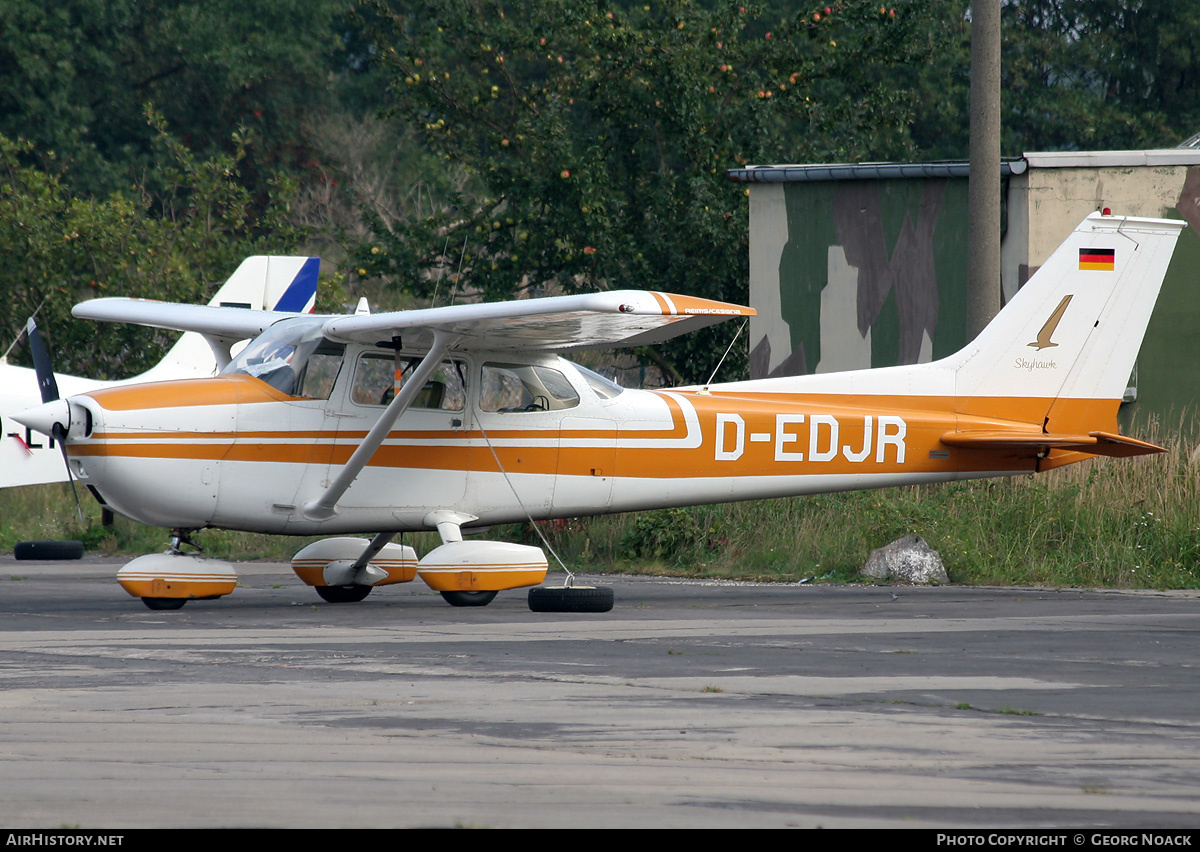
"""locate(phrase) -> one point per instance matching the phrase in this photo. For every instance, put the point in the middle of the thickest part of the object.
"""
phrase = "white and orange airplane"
(465, 416)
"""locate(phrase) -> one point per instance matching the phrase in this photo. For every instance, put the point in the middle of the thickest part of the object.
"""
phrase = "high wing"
(557, 323)
(552, 324)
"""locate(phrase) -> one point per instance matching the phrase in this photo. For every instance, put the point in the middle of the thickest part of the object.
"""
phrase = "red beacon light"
(1106, 211)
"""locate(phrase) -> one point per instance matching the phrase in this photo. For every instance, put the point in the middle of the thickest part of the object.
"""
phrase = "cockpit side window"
(319, 373)
(374, 382)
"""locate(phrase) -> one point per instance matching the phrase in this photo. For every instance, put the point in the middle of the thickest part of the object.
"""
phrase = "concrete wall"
(851, 274)
(848, 274)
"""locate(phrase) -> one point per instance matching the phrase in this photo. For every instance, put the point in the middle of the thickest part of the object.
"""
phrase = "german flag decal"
(1096, 258)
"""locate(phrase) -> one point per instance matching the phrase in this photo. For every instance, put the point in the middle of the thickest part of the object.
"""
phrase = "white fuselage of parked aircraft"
(464, 416)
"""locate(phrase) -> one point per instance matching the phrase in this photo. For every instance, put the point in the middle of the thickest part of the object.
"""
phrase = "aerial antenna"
(727, 348)
(441, 271)
(462, 255)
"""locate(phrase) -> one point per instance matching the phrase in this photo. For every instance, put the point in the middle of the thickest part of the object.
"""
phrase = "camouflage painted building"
(855, 266)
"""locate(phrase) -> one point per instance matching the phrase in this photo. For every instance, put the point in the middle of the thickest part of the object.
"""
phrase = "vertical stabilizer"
(1067, 341)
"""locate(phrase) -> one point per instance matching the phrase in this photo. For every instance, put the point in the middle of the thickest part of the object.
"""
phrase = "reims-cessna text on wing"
(260, 282)
(466, 416)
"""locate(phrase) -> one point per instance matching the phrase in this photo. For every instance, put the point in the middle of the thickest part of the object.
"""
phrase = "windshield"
(604, 388)
(292, 357)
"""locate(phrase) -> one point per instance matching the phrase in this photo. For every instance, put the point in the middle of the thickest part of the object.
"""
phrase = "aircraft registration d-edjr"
(466, 415)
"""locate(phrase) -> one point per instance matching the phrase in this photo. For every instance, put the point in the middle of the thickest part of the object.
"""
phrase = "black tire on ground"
(343, 594)
(577, 599)
(164, 603)
(48, 550)
(468, 598)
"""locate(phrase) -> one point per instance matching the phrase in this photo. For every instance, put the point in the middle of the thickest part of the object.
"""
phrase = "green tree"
(940, 126)
(1075, 75)
(175, 244)
(1100, 74)
(74, 75)
(600, 134)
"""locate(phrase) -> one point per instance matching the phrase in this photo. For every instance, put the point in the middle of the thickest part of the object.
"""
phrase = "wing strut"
(325, 506)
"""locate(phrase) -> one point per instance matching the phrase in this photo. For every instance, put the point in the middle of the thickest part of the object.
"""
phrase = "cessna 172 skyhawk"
(466, 415)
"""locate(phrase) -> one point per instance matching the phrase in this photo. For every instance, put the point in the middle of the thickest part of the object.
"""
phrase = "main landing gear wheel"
(164, 603)
(343, 594)
(571, 599)
(468, 598)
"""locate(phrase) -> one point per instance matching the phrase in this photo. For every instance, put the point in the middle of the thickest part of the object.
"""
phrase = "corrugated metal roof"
(865, 171)
(960, 168)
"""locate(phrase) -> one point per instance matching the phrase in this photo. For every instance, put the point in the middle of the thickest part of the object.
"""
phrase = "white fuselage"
(233, 452)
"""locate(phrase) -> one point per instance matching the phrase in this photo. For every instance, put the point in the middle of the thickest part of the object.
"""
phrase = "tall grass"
(1131, 523)
(48, 512)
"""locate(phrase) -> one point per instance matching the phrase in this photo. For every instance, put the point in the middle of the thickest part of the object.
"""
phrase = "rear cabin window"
(603, 387)
(508, 388)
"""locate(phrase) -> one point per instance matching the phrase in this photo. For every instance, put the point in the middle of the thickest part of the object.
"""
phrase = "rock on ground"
(907, 560)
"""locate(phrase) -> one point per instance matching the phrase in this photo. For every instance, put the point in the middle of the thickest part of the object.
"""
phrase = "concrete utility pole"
(983, 194)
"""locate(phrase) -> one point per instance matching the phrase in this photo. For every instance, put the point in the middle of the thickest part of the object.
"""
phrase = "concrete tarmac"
(692, 704)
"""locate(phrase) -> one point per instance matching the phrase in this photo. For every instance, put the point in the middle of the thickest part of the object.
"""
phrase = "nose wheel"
(167, 581)
(343, 594)
(164, 603)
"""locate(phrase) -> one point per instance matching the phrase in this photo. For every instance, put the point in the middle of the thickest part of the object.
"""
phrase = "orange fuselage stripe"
(642, 452)
(758, 457)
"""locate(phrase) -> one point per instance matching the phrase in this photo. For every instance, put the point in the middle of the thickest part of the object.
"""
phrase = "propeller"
(42, 367)
(56, 417)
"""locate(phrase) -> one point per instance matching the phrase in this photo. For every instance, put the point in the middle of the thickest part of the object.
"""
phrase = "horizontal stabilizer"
(1095, 443)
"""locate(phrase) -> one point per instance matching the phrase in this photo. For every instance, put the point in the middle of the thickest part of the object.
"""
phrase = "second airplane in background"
(260, 283)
